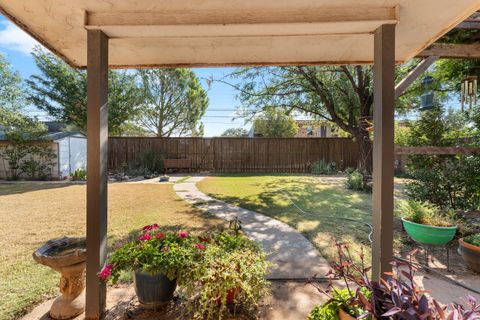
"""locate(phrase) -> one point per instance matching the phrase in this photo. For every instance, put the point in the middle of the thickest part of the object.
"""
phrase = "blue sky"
(16, 46)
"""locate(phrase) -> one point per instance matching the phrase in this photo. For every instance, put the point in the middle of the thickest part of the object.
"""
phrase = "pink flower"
(160, 235)
(182, 234)
(200, 246)
(145, 237)
(106, 272)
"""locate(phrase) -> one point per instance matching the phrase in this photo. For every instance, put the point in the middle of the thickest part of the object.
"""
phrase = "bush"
(146, 163)
(356, 181)
(232, 266)
(79, 175)
(339, 299)
(322, 167)
(424, 213)
(446, 181)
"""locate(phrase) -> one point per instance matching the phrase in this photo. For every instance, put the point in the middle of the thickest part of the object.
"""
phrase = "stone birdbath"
(67, 256)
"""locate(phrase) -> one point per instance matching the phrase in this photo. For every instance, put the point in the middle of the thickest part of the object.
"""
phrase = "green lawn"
(323, 200)
(34, 213)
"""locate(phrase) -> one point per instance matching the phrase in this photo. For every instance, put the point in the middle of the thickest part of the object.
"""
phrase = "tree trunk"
(365, 161)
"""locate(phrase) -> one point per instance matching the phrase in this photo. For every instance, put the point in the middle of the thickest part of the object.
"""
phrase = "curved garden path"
(292, 255)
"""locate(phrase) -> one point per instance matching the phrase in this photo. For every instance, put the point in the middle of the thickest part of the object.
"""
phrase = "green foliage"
(424, 213)
(145, 163)
(340, 299)
(28, 151)
(231, 266)
(173, 102)
(322, 167)
(473, 239)
(355, 181)
(11, 91)
(234, 132)
(153, 252)
(275, 123)
(79, 175)
(448, 181)
(62, 92)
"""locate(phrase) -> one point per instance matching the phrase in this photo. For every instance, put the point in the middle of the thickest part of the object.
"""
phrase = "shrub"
(473, 239)
(232, 266)
(339, 299)
(322, 167)
(424, 213)
(445, 180)
(145, 163)
(79, 175)
(356, 181)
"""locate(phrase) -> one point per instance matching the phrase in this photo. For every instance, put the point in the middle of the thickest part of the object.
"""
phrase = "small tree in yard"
(449, 181)
(275, 123)
(235, 132)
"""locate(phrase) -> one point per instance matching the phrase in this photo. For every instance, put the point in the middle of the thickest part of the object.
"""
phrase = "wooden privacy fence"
(237, 154)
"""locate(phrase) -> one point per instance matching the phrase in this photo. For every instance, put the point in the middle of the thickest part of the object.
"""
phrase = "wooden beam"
(452, 51)
(225, 17)
(437, 150)
(97, 142)
(383, 149)
(469, 25)
(420, 68)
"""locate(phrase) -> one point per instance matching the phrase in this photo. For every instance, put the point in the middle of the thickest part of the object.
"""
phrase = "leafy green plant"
(473, 239)
(145, 163)
(424, 213)
(232, 267)
(322, 167)
(355, 181)
(339, 299)
(154, 252)
(79, 174)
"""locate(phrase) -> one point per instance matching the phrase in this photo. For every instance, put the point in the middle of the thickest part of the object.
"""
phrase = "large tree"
(62, 92)
(234, 132)
(11, 90)
(341, 94)
(275, 123)
(173, 102)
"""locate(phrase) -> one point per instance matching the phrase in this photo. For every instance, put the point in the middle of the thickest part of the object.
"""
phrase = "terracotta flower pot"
(231, 295)
(470, 254)
(344, 316)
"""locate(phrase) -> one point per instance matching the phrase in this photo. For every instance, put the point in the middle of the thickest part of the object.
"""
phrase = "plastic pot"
(344, 316)
(153, 289)
(431, 235)
(470, 254)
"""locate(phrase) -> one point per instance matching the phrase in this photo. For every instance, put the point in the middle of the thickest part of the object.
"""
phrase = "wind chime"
(469, 92)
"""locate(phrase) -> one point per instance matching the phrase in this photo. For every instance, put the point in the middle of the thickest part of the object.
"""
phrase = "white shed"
(72, 152)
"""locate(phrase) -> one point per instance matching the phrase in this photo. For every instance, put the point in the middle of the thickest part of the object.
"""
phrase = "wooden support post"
(97, 141)
(383, 149)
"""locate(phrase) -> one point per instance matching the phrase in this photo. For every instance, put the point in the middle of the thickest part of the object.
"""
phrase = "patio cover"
(195, 33)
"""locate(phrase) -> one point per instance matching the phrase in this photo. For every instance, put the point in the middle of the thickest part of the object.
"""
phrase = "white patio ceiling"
(241, 32)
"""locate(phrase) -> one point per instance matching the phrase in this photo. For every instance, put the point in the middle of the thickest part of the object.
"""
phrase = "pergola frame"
(97, 133)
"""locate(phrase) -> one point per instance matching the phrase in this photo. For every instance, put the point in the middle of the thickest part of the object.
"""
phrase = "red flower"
(150, 227)
(160, 235)
(200, 246)
(106, 272)
(145, 237)
(182, 234)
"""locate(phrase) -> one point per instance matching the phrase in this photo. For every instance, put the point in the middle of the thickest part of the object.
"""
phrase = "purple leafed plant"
(398, 297)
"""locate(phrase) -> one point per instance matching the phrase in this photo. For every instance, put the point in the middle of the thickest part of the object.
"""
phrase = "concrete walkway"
(292, 255)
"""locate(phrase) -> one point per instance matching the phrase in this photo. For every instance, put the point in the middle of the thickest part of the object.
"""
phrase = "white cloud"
(14, 38)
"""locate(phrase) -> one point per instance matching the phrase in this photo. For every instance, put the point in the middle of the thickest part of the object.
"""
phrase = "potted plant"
(230, 272)
(425, 224)
(469, 249)
(158, 261)
(397, 297)
(342, 304)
